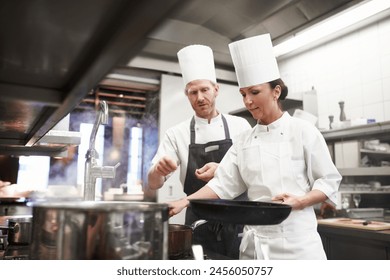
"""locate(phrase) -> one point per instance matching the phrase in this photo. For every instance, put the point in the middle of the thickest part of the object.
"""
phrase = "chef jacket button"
(255, 137)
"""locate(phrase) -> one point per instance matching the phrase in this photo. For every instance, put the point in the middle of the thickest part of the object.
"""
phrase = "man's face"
(202, 95)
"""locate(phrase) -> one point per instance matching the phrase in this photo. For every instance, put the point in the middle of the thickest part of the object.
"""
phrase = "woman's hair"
(284, 91)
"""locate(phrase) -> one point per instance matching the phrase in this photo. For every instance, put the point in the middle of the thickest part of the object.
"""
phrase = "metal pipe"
(92, 171)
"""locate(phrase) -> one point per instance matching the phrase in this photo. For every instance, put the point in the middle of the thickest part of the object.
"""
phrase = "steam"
(66, 171)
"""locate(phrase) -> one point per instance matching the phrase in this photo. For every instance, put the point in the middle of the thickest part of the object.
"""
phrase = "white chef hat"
(197, 63)
(254, 60)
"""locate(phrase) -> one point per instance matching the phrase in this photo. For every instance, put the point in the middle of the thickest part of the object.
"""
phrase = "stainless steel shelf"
(374, 152)
(380, 130)
(366, 171)
(365, 192)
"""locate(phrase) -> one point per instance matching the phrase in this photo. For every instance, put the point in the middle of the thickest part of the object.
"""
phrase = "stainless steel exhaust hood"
(60, 136)
(53, 53)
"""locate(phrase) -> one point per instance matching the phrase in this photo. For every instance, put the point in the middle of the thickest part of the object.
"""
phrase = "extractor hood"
(53, 53)
(59, 138)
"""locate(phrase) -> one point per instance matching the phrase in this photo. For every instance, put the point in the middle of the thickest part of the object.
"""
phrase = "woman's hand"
(300, 202)
(175, 207)
(292, 200)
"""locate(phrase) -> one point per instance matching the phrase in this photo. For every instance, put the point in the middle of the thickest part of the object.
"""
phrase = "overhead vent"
(123, 94)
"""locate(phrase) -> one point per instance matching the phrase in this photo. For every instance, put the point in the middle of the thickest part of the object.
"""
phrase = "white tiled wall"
(354, 68)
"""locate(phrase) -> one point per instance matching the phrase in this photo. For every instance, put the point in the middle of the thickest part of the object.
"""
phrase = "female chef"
(282, 158)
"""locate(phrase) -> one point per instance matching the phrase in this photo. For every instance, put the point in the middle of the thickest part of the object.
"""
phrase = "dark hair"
(284, 91)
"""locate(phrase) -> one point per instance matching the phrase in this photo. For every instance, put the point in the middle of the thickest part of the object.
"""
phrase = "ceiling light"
(133, 79)
(332, 25)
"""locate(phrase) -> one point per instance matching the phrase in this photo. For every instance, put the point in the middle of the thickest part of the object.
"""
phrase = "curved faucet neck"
(102, 118)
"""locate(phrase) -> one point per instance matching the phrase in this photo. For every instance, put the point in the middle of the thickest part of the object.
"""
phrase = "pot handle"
(197, 223)
(8, 228)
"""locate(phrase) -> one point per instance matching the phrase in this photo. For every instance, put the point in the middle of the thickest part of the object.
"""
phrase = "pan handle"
(197, 223)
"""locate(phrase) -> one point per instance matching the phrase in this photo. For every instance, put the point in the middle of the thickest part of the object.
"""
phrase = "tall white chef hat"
(197, 63)
(254, 60)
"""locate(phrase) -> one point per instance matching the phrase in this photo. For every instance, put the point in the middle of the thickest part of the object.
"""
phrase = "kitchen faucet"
(92, 170)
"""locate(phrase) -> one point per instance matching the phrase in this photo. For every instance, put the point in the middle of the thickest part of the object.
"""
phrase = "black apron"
(221, 238)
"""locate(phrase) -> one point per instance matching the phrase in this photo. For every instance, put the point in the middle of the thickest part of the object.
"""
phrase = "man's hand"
(206, 173)
(165, 166)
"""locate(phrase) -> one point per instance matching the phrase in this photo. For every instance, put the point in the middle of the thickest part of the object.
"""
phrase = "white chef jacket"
(177, 138)
(289, 155)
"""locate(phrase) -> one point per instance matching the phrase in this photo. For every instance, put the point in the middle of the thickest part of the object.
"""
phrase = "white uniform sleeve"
(167, 147)
(322, 172)
(227, 182)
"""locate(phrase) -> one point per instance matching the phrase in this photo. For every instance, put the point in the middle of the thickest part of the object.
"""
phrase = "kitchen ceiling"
(216, 23)
(53, 53)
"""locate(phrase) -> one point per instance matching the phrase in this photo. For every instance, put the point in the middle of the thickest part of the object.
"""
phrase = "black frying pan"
(240, 212)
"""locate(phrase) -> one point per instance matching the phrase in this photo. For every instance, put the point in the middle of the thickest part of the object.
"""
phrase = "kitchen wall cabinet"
(358, 179)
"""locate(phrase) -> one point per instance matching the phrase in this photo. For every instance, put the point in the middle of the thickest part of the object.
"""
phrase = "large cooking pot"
(180, 239)
(240, 212)
(87, 230)
(18, 230)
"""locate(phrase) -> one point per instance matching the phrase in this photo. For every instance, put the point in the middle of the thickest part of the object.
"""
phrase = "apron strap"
(261, 248)
(226, 127)
(192, 129)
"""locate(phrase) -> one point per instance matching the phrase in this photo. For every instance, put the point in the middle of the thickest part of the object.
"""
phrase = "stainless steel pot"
(99, 230)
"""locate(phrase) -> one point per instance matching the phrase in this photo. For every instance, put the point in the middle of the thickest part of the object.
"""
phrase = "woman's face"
(262, 102)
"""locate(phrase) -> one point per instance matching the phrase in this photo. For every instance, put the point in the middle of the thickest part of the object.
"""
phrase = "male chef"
(198, 144)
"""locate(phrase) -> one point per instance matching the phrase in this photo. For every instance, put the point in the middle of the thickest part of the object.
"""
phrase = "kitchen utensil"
(240, 212)
(180, 239)
(99, 230)
(342, 111)
(331, 119)
(356, 199)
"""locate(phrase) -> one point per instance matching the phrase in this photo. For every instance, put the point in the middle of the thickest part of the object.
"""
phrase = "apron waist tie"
(260, 245)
